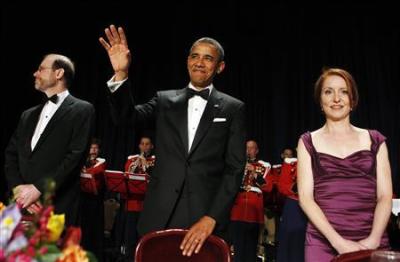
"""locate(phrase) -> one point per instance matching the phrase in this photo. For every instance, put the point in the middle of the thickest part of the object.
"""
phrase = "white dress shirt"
(196, 106)
(114, 85)
(47, 113)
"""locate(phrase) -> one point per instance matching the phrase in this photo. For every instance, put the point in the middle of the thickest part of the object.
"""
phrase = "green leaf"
(49, 257)
(52, 248)
(91, 256)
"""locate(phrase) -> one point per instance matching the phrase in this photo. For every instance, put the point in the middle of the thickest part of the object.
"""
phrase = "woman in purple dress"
(344, 177)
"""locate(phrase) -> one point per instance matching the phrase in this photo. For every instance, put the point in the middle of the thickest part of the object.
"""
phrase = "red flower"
(43, 250)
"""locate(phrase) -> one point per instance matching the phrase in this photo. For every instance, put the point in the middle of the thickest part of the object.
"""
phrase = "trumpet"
(139, 162)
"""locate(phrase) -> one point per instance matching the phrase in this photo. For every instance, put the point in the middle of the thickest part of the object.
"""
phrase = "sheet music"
(136, 177)
(114, 171)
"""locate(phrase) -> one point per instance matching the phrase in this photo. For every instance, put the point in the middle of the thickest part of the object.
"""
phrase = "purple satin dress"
(345, 190)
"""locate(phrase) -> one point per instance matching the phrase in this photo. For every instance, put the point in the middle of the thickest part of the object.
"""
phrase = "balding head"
(64, 63)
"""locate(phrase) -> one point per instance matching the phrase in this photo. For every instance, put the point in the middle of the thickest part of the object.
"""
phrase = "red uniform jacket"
(248, 206)
(287, 184)
(273, 200)
(92, 178)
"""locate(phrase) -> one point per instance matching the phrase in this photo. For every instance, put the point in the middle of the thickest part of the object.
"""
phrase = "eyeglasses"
(41, 68)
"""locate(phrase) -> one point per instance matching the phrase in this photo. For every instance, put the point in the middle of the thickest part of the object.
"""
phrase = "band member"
(92, 175)
(293, 224)
(247, 214)
(92, 205)
(132, 203)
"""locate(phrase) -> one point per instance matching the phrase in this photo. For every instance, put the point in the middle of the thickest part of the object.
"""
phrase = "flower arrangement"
(38, 237)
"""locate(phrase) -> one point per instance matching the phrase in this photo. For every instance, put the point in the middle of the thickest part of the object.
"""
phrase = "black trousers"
(92, 223)
(245, 240)
(292, 233)
(126, 234)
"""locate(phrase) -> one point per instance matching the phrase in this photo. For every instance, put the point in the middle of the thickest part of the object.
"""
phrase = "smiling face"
(335, 91)
(203, 64)
(334, 98)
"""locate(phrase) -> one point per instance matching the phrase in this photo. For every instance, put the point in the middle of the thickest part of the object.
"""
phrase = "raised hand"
(118, 51)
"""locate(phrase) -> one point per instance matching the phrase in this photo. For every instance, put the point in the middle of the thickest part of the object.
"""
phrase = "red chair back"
(164, 246)
(357, 256)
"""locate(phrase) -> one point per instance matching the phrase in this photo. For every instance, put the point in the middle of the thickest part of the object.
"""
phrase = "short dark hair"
(146, 136)
(347, 77)
(213, 42)
(95, 141)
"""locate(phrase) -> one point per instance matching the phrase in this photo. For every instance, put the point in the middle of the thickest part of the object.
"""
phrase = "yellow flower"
(73, 253)
(8, 222)
(55, 225)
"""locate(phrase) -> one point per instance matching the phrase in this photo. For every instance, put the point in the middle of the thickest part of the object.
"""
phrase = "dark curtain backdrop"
(274, 53)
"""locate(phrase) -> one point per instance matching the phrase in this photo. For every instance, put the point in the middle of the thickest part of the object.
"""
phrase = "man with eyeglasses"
(50, 142)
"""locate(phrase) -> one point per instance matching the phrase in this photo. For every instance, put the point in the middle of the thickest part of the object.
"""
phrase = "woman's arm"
(384, 199)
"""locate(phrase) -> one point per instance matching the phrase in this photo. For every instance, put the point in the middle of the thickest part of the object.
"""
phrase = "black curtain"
(274, 53)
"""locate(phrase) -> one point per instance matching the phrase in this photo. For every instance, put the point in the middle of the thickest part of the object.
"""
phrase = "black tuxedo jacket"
(59, 154)
(211, 171)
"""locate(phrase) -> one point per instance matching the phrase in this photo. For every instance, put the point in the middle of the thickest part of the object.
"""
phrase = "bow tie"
(203, 93)
(53, 99)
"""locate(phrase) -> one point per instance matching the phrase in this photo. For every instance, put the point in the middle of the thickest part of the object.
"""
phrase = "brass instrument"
(135, 164)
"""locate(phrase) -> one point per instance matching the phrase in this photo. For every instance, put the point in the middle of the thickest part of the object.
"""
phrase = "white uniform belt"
(254, 189)
(85, 175)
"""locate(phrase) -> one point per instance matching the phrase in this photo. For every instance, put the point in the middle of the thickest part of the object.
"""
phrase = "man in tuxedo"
(200, 144)
(50, 142)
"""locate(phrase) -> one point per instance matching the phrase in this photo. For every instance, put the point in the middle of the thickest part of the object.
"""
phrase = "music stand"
(130, 185)
(132, 188)
(115, 181)
(137, 185)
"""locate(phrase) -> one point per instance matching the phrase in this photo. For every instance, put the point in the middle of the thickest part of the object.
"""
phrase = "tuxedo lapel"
(61, 111)
(181, 106)
(213, 106)
(31, 123)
